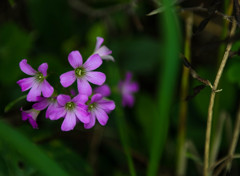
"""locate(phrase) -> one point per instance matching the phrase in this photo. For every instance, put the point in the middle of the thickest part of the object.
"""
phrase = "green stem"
(166, 84)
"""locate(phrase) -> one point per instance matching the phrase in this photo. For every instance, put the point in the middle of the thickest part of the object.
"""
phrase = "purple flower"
(127, 88)
(31, 116)
(83, 72)
(43, 103)
(71, 110)
(103, 51)
(99, 107)
(37, 83)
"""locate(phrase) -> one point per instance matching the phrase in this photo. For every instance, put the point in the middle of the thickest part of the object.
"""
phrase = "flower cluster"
(86, 106)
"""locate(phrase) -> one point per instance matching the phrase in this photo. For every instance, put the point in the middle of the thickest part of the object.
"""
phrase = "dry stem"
(211, 103)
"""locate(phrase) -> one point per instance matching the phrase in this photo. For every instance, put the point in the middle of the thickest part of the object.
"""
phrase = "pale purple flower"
(83, 72)
(103, 51)
(37, 83)
(31, 116)
(99, 107)
(127, 88)
(71, 110)
(43, 103)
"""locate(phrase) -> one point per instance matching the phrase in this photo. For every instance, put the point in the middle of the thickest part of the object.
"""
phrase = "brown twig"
(212, 98)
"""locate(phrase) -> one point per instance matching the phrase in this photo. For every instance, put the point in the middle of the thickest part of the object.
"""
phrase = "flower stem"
(181, 158)
(211, 102)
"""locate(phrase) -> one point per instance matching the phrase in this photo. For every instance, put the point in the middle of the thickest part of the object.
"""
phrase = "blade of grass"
(166, 83)
(29, 151)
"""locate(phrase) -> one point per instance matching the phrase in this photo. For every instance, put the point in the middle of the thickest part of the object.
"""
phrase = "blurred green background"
(144, 140)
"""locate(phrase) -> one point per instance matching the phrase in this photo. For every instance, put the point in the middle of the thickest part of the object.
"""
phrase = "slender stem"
(181, 158)
(235, 139)
(211, 103)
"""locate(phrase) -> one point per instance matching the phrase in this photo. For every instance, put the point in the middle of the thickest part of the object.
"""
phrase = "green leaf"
(29, 151)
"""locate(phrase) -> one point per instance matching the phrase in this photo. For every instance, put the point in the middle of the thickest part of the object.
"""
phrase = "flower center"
(80, 71)
(39, 76)
(70, 105)
(92, 106)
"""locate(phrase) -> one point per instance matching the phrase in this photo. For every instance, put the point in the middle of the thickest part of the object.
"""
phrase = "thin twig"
(235, 139)
(211, 103)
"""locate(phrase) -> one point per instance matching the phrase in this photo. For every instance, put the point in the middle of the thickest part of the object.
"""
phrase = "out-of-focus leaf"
(15, 45)
(29, 151)
(233, 73)
(139, 55)
(146, 112)
(11, 104)
(51, 20)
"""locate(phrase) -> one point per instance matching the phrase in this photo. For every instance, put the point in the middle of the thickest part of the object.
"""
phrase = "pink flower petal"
(26, 83)
(68, 78)
(97, 78)
(57, 113)
(51, 108)
(104, 90)
(101, 116)
(80, 99)
(47, 89)
(133, 87)
(99, 42)
(128, 77)
(35, 92)
(93, 62)
(84, 87)
(106, 105)
(96, 98)
(63, 99)
(75, 59)
(82, 115)
(69, 122)
(103, 51)
(107, 57)
(128, 100)
(91, 123)
(26, 68)
(42, 104)
(43, 68)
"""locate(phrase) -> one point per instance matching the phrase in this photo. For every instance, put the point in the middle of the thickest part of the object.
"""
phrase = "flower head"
(71, 110)
(103, 51)
(31, 116)
(127, 88)
(83, 72)
(37, 83)
(43, 103)
(99, 107)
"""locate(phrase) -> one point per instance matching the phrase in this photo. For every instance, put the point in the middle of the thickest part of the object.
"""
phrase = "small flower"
(103, 51)
(127, 88)
(43, 103)
(99, 107)
(83, 72)
(71, 110)
(31, 116)
(37, 83)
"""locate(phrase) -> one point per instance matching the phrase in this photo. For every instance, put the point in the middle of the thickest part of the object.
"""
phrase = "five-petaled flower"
(30, 115)
(99, 107)
(127, 88)
(83, 72)
(37, 83)
(71, 110)
(103, 51)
